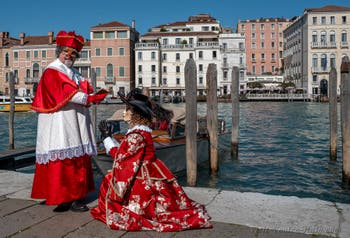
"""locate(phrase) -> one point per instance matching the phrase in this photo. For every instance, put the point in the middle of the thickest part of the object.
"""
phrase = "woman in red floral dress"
(140, 192)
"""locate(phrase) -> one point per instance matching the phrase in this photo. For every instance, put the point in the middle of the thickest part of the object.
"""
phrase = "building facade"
(109, 54)
(161, 55)
(314, 43)
(264, 47)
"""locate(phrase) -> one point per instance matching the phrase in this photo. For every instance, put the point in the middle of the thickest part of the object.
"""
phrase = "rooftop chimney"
(50, 34)
(22, 35)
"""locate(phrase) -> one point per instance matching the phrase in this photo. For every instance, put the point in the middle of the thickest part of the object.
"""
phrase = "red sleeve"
(55, 89)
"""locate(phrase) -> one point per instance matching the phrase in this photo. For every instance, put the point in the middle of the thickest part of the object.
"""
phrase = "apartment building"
(109, 54)
(315, 42)
(161, 55)
(112, 55)
(264, 47)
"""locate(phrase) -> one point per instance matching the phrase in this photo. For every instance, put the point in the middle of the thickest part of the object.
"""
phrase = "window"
(263, 56)
(190, 41)
(214, 54)
(332, 61)
(241, 59)
(200, 54)
(262, 69)
(28, 54)
(121, 71)
(121, 34)
(262, 35)
(139, 55)
(253, 57)
(272, 26)
(153, 81)
(344, 37)
(27, 73)
(253, 26)
(98, 72)
(253, 45)
(314, 20)
(200, 68)
(140, 68)
(323, 20)
(343, 19)
(36, 70)
(36, 54)
(332, 20)
(243, 27)
(314, 37)
(324, 61)
(153, 55)
(164, 57)
(177, 69)
(273, 35)
(15, 55)
(110, 34)
(253, 69)
(153, 68)
(190, 55)
(140, 80)
(97, 35)
(253, 35)
(110, 70)
(262, 44)
(165, 41)
(164, 81)
(177, 56)
(43, 54)
(205, 28)
(121, 51)
(273, 56)
(332, 37)
(225, 75)
(262, 26)
(200, 80)
(177, 81)
(178, 41)
(84, 54)
(98, 52)
(323, 37)
(164, 69)
(272, 44)
(109, 51)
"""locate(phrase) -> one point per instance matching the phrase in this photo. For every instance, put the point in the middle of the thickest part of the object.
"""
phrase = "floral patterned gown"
(140, 193)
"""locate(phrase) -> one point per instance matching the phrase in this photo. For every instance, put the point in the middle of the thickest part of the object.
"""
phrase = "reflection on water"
(283, 149)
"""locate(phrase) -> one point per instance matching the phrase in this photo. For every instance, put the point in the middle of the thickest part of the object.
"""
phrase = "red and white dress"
(140, 193)
(65, 136)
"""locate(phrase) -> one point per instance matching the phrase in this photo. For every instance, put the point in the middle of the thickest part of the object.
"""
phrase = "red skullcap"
(70, 39)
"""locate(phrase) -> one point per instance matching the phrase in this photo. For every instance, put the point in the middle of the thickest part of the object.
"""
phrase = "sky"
(38, 17)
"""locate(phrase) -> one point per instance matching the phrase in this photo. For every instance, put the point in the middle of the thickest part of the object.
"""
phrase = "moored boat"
(22, 104)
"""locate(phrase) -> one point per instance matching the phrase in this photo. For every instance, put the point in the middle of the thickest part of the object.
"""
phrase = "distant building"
(315, 42)
(161, 55)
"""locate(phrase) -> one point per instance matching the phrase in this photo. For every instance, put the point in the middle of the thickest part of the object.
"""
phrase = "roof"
(109, 25)
(328, 8)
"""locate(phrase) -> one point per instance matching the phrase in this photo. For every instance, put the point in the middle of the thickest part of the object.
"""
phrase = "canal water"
(283, 149)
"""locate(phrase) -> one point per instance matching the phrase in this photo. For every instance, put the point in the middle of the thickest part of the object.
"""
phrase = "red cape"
(55, 89)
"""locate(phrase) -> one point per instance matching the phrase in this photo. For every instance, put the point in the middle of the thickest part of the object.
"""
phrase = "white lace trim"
(67, 153)
(140, 127)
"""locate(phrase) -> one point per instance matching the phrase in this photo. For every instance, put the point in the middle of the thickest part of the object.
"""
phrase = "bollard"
(191, 121)
(235, 112)
(345, 117)
(212, 117)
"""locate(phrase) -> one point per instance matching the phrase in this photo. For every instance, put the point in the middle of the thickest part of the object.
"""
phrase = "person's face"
(127, 115)
(68, 56)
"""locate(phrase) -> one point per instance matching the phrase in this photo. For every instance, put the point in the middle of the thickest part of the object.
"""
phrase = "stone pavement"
(234, 214)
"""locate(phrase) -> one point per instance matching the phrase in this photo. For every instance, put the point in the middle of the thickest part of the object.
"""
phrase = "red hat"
(70, 39)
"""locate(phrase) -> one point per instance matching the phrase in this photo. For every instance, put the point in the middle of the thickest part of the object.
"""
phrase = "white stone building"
(315, 42)
(201, 38)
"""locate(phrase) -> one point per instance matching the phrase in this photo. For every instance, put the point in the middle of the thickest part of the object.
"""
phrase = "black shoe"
(78, 206)
(63, 207)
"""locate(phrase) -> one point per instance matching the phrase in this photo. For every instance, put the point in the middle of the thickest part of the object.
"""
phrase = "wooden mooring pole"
(345, 118)
(235, 111)
(12, 111)
(333, 118)
(212, 117)
(191, 121)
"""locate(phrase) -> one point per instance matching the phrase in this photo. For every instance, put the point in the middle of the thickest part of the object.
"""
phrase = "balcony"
(344, 44)
(109, 80)
(31, 80)
(209, 44)
(140, 46)
(320, 70)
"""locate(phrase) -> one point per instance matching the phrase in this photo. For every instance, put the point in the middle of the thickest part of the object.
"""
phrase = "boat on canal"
(22, 104)
(170, 144)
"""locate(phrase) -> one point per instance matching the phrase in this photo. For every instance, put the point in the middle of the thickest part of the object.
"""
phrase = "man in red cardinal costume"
(65, 136)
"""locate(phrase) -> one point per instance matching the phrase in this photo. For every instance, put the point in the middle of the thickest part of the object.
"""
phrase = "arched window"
(332, 60)
(35, 70)
(28, 73)
(323, 37)
(332, 37)
(110, 70)
(314, 37)
(324, 61)
(344, 36)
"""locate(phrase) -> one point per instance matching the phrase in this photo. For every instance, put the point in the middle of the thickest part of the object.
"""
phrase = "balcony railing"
(29, 80)
(317, 45)
(318, 70)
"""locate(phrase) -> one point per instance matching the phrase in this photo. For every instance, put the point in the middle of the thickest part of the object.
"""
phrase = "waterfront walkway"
(234, 214)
